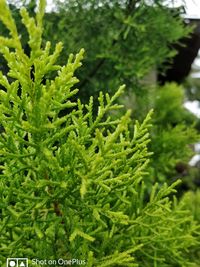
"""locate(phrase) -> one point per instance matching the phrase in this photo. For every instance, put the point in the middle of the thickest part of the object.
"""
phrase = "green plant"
(73, 185)
(118, 51)
(124, 42)
(191, 201)
(173, 133)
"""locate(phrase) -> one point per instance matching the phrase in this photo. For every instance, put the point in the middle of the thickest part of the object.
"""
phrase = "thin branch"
(131, 5)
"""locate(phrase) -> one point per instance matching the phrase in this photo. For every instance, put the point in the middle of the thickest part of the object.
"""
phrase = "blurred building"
(187, 50)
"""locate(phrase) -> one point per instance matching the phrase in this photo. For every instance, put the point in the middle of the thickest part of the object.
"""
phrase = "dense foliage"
(124, 41)
(171, 135)
(74, 185)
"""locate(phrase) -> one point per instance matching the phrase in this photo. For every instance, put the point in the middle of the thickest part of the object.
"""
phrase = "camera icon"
(17, 262)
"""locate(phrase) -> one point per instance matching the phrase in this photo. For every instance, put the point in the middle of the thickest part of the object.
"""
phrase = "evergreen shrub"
(73, 185)
(173, 134)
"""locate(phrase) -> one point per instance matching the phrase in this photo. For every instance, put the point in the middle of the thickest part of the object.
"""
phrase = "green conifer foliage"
(173, 133)
(73, 185)
(191, 201)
